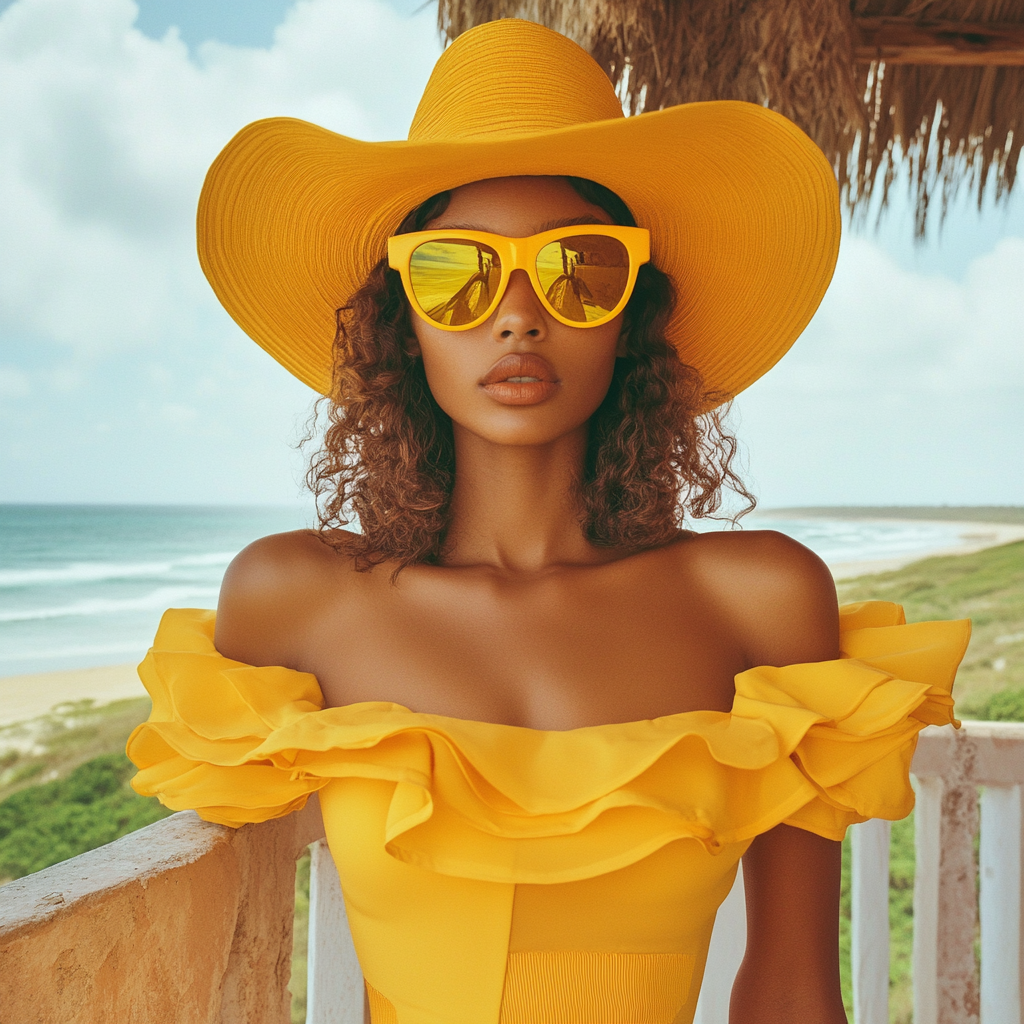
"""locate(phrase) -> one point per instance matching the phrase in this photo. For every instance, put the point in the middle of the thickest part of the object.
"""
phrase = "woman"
(541, 718)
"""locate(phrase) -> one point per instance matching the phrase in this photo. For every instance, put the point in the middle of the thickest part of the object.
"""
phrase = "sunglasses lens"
(454, 280)
(584, 276)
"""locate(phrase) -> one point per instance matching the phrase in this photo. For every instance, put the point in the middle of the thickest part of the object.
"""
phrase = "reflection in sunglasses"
(455, 281)
(568, 293)
(582, 278)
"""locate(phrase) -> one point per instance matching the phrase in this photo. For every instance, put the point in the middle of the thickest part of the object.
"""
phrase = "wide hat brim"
(742, 207)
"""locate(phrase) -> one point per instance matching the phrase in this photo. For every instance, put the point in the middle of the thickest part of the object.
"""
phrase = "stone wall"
(183, 921)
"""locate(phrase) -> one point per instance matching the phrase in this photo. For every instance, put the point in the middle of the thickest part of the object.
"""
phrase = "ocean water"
(858, 540)
(86, 585)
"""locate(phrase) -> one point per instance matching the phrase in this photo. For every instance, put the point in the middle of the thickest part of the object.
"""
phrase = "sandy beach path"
(29, 696)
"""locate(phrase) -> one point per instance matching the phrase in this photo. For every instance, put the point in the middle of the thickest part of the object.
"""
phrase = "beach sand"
(29, 696)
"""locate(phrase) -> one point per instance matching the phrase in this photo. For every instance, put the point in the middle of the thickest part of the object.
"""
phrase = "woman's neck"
(514, 508)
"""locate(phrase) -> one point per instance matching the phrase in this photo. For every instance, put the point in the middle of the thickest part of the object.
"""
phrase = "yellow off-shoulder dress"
(502, 875)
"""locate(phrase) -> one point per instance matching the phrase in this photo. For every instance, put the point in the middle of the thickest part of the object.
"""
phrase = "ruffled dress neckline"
(504, 874)
(819, 745)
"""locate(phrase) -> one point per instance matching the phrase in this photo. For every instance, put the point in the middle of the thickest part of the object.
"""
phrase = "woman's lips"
(521, 378)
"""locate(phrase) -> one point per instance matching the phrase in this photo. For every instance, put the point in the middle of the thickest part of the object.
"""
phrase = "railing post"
(927, 856)
(958, 997)
(334, 980)
(1000, 870)
(869, 891)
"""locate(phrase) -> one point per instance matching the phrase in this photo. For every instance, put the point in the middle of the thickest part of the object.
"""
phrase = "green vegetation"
(1002, 706)
(51, 747)
(901, 920)
(986, 587)
(64, 785)
(42, 825)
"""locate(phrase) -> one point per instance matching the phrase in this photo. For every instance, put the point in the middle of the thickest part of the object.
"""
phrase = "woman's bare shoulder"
(777, 594)
(272, 588)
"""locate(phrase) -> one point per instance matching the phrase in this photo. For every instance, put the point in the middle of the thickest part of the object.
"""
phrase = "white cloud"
(882, 326)
(105, 136)
(905, 388)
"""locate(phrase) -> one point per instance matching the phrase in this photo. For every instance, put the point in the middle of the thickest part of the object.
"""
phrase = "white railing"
(192, 922)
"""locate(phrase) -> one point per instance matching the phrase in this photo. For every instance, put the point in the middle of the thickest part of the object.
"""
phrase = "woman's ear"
(412, 346)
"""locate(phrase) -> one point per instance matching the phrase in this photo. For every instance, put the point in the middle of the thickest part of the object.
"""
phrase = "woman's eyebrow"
(565, 222)
(462, 227)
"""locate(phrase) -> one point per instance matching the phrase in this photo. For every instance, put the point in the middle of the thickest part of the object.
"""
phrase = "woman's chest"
(558, 653)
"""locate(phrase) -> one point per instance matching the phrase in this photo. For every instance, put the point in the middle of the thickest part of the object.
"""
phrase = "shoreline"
(32, 695)
(1006, 515)
(974, 536)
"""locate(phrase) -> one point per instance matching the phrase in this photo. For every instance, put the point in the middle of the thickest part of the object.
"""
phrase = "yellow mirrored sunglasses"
(583, 275)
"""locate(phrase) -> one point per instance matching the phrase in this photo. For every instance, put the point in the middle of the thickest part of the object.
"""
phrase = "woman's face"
(568, 368)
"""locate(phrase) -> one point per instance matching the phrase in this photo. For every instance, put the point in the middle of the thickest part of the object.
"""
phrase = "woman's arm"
(782, 600)
(790, 972)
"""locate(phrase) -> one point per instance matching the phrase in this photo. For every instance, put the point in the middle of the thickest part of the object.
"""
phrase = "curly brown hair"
(388, 453)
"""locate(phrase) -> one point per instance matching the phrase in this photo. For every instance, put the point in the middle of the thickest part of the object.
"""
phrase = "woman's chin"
(520, 426)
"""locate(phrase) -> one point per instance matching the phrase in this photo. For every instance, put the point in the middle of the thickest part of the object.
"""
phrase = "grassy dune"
(64, 785)
(986, 587)
(50, 747)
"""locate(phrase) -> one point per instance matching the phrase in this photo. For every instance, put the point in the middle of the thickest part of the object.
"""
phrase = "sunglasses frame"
(520, 254)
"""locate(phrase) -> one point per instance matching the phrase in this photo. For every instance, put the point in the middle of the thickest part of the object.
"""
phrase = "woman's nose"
(520, 314)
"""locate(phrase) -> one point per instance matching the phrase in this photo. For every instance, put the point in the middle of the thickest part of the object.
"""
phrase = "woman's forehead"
(517, 206)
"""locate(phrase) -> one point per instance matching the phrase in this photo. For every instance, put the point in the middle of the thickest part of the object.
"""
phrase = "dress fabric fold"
(470, 807)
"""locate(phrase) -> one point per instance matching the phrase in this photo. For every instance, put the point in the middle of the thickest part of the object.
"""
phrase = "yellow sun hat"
(742, 207)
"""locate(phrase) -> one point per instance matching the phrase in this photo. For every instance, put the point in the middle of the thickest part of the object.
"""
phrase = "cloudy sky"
(122, 380)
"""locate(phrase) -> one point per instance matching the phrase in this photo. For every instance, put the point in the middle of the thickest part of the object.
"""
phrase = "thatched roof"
(940, 83)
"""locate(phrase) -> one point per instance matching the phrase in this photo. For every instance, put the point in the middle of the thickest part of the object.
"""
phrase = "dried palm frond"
(951, 124)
